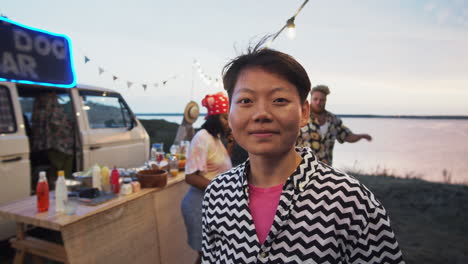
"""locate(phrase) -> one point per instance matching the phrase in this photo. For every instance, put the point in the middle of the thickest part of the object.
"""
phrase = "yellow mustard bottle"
(105, 178)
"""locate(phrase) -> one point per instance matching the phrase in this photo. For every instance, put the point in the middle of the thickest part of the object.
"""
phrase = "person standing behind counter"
(283, 205)
(323, 128)
(206, 158)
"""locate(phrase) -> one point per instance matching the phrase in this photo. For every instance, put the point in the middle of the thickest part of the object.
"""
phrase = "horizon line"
(453, 117)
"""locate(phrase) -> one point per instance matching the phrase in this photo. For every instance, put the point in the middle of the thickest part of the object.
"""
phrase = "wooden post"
(20, 253)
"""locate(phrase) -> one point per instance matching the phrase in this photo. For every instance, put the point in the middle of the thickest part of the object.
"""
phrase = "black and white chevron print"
(324, 216)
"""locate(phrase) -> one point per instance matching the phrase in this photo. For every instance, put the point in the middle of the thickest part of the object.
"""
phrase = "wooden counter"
(144, 227)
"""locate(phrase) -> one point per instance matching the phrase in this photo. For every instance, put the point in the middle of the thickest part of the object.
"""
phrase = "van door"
(111, 135)
(14, 153)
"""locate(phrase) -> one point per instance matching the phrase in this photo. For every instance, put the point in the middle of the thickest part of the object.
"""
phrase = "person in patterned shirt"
(323, 128)
(283, 205)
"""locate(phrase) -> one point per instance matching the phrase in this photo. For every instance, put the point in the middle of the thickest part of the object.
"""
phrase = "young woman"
(282, 205)
(206, 158)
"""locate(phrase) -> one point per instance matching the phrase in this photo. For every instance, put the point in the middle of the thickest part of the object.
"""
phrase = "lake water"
(423, 148)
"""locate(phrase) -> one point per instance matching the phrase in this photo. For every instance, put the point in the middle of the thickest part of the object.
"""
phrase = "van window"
(7, 117)
(106, 111)
(27, 104)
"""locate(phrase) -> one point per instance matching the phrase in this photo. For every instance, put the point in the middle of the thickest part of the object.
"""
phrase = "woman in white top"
(206, 158)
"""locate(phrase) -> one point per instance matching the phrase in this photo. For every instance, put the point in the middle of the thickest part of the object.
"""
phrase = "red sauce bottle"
(115, 185)
(42, 193)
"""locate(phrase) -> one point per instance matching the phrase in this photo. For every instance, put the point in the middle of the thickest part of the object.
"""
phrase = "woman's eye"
(281, 100)
(244, 101)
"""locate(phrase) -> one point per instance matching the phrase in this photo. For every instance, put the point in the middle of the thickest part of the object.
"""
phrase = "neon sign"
(34, 56)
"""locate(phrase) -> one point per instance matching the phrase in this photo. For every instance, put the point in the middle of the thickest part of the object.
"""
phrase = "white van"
(47, 128)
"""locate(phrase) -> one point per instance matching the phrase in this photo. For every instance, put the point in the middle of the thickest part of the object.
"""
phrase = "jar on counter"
(136, 186)
(174, 161)
(126, 187)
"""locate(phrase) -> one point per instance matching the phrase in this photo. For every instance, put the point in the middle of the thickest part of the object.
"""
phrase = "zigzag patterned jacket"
(323, 216)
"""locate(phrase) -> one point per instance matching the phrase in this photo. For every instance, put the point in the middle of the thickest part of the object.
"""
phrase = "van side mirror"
(132, 124)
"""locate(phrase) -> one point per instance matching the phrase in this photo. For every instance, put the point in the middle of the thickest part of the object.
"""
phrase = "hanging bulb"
(291, 28)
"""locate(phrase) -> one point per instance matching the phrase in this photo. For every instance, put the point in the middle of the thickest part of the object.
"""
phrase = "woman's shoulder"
(202, 135)
(346, 187)
(232, 178)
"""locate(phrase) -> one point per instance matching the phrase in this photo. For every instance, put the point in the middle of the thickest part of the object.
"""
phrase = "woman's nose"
(262, 113)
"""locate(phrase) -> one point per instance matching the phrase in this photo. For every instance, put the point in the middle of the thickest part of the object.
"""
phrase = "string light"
(207, 80)
(289, 25)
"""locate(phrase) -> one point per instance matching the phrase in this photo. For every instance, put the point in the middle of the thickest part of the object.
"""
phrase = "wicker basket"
(152, 178)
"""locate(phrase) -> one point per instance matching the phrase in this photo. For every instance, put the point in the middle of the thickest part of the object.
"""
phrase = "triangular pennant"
(129, 84)
(114, 77)
(86, 59)
(101, 70)
(144, 86)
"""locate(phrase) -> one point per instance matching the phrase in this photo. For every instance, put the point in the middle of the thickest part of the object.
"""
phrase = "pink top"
(263, 204)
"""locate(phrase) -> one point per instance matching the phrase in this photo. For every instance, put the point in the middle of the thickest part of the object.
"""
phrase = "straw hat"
(191, 112)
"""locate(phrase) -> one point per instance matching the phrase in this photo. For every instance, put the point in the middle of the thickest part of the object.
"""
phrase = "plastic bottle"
(61, 193)
(105, 179)
(115, 181)
(154, 152)
(97, 177)
(42, 193)
(173, 162)
(126, 186)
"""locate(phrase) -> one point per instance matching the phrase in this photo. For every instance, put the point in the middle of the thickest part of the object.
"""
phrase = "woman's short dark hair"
(272, 61)
(213, 125)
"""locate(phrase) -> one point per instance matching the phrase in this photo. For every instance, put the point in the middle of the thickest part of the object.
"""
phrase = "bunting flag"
(131, 83)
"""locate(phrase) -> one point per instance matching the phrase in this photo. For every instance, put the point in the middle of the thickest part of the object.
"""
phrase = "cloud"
(442, 15)
(428, 7)
(451, 12)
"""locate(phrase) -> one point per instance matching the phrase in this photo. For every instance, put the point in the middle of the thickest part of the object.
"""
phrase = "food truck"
(48, 122)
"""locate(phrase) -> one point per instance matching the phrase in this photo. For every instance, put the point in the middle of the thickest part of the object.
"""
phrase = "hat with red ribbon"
(217, 103)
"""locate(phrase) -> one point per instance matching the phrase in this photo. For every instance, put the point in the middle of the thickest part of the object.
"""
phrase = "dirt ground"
(430, 220)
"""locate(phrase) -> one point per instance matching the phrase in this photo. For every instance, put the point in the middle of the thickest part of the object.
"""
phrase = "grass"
(430, 219)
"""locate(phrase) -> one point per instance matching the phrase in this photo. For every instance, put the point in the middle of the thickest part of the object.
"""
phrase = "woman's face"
(266, 113)
(223, 119)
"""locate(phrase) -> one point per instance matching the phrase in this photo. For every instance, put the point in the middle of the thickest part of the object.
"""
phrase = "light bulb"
(291, 28)
(291, 32)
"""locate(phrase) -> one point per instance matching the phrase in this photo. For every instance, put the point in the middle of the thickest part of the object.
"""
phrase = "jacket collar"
(298, 180)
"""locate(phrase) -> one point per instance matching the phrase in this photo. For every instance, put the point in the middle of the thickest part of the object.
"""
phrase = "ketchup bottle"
(42, 192)
(115, 181)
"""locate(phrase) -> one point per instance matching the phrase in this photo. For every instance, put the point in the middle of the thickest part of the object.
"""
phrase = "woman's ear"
(305, 113)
